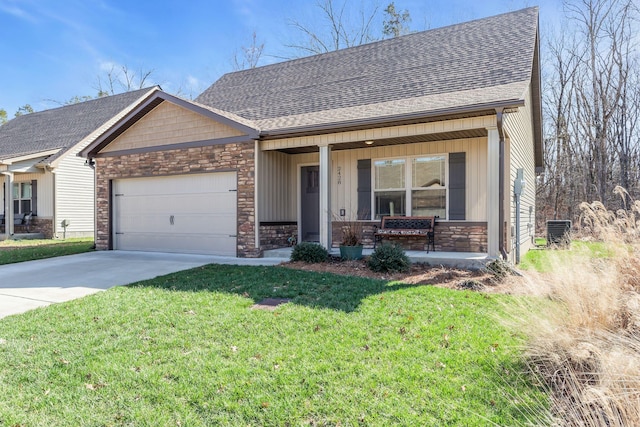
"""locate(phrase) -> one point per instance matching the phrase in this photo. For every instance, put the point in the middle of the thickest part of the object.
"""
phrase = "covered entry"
(193, 213)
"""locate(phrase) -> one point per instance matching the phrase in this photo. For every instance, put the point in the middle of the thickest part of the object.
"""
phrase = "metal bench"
(22, 220)
(407, 226)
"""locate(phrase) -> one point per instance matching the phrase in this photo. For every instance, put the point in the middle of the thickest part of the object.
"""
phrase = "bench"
(23, 220)
(407, 226)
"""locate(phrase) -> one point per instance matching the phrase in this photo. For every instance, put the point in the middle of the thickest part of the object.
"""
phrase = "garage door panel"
(185, 213)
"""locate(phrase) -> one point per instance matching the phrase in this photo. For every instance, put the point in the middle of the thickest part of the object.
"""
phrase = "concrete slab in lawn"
(28, 285)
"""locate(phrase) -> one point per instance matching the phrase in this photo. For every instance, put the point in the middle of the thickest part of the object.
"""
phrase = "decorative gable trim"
(147, 105)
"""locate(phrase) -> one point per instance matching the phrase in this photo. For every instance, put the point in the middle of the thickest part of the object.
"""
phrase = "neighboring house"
(439, 122)
(41, 172)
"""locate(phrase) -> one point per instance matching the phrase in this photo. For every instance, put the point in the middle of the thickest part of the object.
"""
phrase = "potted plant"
(351, 243)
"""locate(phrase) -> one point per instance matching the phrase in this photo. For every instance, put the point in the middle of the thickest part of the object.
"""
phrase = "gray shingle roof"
(431, 69)
(61, 127)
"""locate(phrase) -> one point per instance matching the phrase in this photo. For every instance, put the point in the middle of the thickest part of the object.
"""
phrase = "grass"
(584, 337)
(187, 349)
(12, 251)
(544, 260)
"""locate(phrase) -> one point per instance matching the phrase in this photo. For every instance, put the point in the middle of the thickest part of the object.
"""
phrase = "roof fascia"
(444, 114)
(96, 133)
(134, 115)
(536, 95)
(12, 160)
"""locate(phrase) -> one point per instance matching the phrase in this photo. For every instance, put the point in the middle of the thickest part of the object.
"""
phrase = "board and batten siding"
(276, 196)
(169, 124)
(279, 174)
(74, 195)
(45, 191)
(519, 127)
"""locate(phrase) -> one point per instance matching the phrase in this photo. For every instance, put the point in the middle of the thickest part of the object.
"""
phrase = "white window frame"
(18, 197)
(408, 182)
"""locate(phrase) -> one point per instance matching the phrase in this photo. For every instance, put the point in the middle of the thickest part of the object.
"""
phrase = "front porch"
(463, 260)
(308, 188)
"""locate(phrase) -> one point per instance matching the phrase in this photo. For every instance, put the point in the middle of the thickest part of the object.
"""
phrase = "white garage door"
(184, 213)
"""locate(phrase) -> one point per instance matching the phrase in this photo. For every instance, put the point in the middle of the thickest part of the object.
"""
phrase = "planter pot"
(351, 252)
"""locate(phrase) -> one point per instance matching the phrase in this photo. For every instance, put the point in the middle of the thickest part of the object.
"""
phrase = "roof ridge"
(375, 42)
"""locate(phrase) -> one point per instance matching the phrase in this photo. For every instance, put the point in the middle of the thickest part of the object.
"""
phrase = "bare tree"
(395, 23)
(122, 79)
(335, 28)
(249, 56)
(592, 107)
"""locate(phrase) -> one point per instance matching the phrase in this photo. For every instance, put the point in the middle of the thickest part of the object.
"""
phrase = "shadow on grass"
(317, 290)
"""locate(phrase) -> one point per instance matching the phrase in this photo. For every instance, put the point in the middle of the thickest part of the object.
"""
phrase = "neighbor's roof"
(470, 65)
(61, 128)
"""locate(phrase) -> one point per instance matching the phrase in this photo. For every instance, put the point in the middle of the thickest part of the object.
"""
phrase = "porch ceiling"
(444, 136)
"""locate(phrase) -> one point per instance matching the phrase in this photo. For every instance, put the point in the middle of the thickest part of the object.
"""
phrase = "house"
(41, 172)
(443, 123)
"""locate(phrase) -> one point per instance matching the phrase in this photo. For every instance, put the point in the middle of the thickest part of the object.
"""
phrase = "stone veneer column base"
(450, 236)
(275, 235)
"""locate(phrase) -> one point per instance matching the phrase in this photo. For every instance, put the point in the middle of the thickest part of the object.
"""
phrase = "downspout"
(92, 164)
(500, 125)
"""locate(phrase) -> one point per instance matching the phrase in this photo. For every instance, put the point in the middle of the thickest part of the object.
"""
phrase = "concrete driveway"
(28, 285)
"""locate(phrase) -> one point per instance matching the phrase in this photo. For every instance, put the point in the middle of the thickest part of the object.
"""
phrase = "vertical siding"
(344, 194)
(279, 174)
(45, 191)
(276, 187)
(519, 128)
(74, 198)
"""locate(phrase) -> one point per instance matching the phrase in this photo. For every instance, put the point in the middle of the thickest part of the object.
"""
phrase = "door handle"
(171, 220)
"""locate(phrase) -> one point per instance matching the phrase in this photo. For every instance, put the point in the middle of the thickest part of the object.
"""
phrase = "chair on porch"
(23, 220)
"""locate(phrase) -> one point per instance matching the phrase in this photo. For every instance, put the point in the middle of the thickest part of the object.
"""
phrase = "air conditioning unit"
(558, 232)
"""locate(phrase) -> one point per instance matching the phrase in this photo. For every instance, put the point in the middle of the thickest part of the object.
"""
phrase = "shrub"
(388, 257)
(309, 252)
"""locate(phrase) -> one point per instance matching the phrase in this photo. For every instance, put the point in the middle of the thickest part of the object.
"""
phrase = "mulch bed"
(418, 274)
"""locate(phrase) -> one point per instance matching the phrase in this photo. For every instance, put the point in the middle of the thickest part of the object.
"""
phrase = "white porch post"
(493, 170)
(8, 204)
(325, 196)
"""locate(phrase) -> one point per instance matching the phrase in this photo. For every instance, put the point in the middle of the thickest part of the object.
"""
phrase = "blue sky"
(53, 50)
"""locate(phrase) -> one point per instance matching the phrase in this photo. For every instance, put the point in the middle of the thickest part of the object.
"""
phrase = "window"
(414, 186)
(429, 191)
(389, 187)
(22, 197)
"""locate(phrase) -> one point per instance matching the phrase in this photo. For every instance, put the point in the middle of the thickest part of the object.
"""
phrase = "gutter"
(500, 126)
(399, 119)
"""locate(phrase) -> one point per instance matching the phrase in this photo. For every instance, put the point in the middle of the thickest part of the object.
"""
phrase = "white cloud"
(12, 9)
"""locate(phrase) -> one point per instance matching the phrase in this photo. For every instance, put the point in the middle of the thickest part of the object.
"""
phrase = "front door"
(310, 203)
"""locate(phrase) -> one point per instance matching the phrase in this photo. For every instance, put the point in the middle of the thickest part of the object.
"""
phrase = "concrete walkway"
(28, 285)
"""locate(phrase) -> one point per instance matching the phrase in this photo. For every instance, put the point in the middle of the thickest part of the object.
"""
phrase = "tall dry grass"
(584, 334)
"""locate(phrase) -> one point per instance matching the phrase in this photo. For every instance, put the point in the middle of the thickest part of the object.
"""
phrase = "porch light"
(368, 142)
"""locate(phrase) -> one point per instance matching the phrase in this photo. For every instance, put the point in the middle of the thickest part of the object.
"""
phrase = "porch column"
(325, 196)
(8, 204)
(493, 191)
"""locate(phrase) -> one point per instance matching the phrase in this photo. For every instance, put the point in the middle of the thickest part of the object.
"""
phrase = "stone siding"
(229, 157)
(276, 235)
(37, 225)
(367, 229)
(450, 236)
(456, 236)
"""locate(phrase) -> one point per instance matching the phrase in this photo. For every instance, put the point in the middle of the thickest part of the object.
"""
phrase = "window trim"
(20, 199)
(408, 181)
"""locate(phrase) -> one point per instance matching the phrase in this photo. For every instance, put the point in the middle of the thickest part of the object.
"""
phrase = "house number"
(339, 175)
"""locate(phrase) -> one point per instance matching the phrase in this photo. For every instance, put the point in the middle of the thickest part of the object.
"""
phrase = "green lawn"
(12, 251)
(543, 260)
(187, 350)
